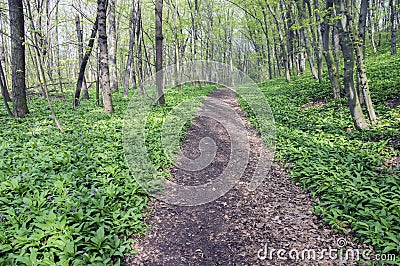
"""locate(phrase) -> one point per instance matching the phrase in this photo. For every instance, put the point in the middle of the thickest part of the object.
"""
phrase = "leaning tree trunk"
(328, 54)
(112, 38)
(17, 27)
(103, 46)
(346, 44)
(84, 63)
(3, 80)
(159, 52)
(79, 33)
(4, 91)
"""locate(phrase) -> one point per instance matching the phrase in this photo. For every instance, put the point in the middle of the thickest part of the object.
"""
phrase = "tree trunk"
(4, 92)
(371, 19)
(328, 54)
(79, 33)
(17, 27)
(58, 55)
(41, 52)
(84, 63)
(393, 14)
(130, 61)
(139, 51)
(103, 46)
(316, 38)
(361, 70)
(159, 52)
(113, 46)
(346, 44)
(97, 78)
(266, 33)
(284, 56)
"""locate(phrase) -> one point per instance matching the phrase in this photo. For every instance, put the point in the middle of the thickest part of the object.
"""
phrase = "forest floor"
(242, 227)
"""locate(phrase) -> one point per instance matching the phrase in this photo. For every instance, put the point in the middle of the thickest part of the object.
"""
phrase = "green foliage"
(69, 199)
(350, 173)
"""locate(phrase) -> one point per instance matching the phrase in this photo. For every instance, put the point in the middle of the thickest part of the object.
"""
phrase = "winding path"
(236, 228)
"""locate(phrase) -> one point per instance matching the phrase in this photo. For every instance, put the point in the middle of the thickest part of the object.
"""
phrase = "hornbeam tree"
(17, 26)
(159, 52)
(103, 47)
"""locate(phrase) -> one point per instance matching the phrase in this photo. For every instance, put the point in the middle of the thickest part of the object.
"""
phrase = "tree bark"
(79, 33)
(284, 55)
(41, 52)
(112, 38)
(58, 55)
(266, 33)
(84, 63)
(103, 46)
(328, 54)
(139, 52)
(393, 14)
(4, 92)
(159, 52)
(17, 26)
(129, 71)
(371, 18)
(3, 79)
(361, 69)
(346, 44)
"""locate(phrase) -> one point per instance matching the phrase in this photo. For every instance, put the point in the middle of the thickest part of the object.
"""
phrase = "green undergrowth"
(69, 199)
(352, 174)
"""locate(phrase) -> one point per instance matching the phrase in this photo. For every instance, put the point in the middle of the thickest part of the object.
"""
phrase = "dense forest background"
(265, 39)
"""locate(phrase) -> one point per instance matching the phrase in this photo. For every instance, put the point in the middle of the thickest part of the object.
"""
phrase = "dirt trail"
(239, 226)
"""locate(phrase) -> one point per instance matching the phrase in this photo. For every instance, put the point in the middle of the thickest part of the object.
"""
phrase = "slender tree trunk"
(282, 45)
(112, 38)
(371, 19)
(393, 15)
(177, 45)
(4, 91)
(303, 42)
(98, 103)
(79, 33)
(130, 61)
(361, 69)
(17, 27)
(159, 52)
(346, 44)
(103, 46)
(58, 55)
(41, 52)
(279, 67)
(266, 33)
(3, 79)
(316, 38)
(139, 36)
(84, 63)
(328, 54)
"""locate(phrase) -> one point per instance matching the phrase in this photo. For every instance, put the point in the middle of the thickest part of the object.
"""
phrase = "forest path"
(236, 228)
